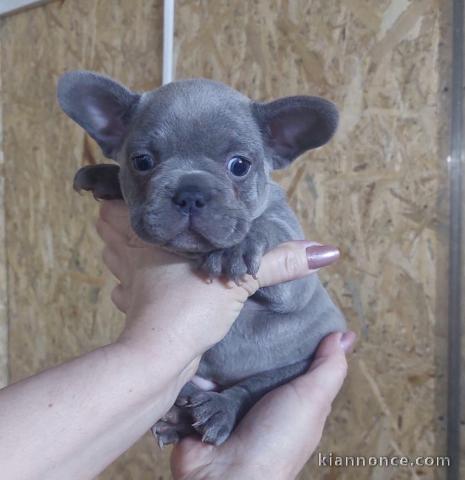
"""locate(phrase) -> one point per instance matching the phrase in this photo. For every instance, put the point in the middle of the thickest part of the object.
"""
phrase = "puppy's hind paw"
(165, 434)
(213, 417)
(173, 427)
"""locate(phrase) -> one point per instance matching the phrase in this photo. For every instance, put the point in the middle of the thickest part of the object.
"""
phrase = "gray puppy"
(194, 161)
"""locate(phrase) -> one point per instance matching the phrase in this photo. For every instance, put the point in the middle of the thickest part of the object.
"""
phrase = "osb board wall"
(59, 302)
(374, 191)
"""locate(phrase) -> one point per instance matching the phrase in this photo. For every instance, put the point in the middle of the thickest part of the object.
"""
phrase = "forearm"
(73, 420)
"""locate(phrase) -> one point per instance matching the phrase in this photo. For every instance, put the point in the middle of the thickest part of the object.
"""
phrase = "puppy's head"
(195, 155)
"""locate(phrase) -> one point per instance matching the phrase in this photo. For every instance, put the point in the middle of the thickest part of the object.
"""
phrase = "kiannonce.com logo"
(332, 460)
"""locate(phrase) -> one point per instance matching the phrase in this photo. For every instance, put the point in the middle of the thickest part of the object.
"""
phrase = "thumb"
(328, 370)
(294, 260)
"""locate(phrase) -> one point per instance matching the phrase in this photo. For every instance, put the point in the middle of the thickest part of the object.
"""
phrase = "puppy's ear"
(98, 104)
(292, 125)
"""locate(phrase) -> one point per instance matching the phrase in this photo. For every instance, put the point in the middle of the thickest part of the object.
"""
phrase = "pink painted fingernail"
(348, 341)
(321, 255)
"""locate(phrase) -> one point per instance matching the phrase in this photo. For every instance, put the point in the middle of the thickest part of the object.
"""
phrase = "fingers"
(191, 455)
(348, 341)
(329, 345)
(114, 225)
(296, 411)
(108, 234)
(318, 388)
(294, 260)
(116, 214)
(119, 298)
(114, 263)
(322, 382)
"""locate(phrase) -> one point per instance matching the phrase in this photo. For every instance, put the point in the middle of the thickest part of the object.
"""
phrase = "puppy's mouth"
(213, 228)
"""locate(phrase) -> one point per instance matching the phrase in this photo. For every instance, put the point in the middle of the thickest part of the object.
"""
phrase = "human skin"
(278, 435)
(72, 420)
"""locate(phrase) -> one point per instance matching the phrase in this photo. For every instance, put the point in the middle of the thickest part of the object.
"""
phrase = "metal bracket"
(455, 162)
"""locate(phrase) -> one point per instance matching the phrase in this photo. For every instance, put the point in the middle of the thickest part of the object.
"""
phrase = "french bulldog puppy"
(193, 165)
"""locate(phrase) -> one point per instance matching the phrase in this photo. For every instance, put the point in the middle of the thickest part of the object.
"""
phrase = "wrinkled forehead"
(191, 120)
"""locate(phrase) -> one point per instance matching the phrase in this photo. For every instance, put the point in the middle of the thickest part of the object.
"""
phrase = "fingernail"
(321, 255)
(348, 341)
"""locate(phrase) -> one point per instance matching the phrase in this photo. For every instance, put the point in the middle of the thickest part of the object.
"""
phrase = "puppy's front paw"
(236, 261)
(213, 416)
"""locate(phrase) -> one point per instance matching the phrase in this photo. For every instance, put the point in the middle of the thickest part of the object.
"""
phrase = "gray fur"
(191, 129)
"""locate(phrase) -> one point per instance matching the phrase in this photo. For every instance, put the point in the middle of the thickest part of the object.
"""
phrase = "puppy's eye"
(239, 166)
(143, 163)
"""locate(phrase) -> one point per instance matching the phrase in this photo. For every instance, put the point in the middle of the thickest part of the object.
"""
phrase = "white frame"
(8, 7)
(168, 40)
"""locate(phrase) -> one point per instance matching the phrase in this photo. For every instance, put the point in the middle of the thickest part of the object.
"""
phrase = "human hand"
(172, 311)
(279, 434)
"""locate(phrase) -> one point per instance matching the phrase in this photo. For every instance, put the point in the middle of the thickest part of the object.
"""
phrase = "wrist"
(154, 360)
(148, 381)
(154, 333)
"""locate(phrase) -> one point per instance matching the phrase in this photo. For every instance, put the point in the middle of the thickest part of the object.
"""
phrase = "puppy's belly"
(204, 383)
(261, 340)
(244, 353)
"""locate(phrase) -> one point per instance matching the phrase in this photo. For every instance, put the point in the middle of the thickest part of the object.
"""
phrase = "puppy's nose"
(190, 198)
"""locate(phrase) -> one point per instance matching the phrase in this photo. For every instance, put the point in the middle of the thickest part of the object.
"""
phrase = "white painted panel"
(168, 40)
(10, 6)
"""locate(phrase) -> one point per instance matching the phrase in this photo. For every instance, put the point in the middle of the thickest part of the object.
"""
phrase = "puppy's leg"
(215, 414)
(177, 423)
(173, 427)
(102, 180)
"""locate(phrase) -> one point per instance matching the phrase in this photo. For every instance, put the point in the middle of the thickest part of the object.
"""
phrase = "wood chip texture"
(378, 191)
